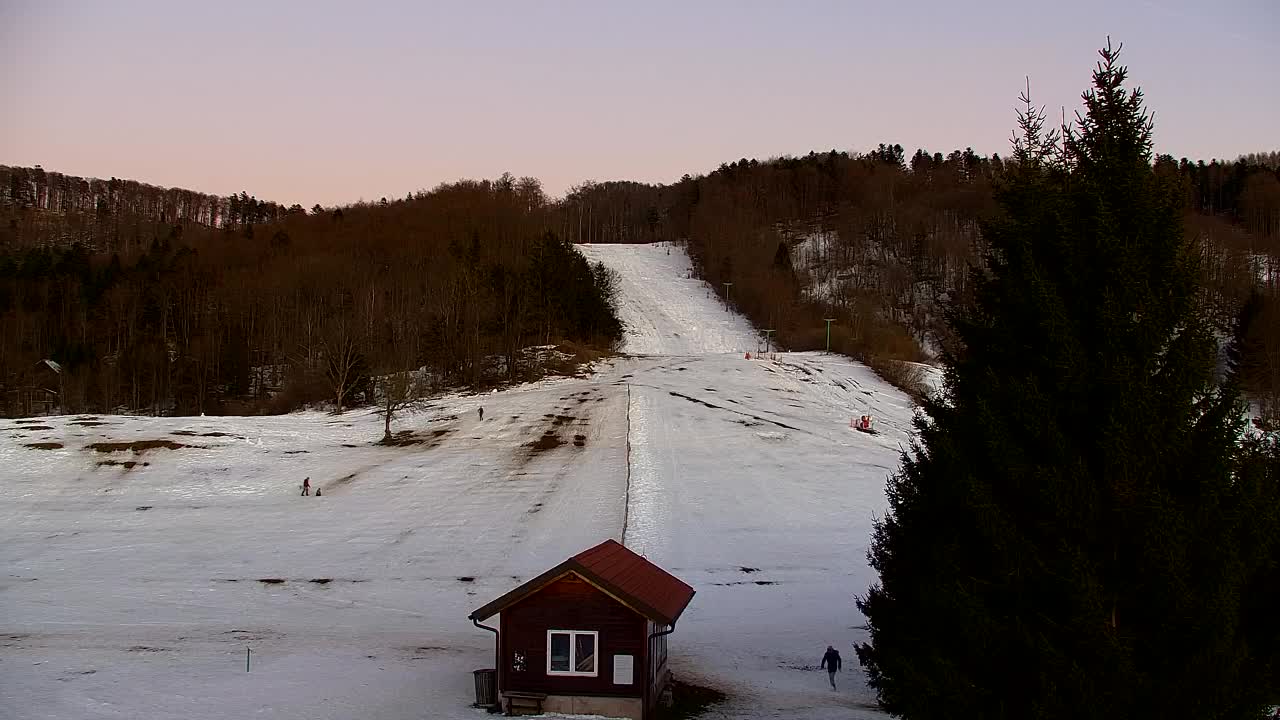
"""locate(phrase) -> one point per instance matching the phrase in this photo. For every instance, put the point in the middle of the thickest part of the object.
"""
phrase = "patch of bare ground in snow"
(549, 441)
(126, 464)
(138, 446)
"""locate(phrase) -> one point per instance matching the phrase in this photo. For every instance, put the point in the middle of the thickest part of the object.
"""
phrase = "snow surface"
(665, 310)
(135, 592)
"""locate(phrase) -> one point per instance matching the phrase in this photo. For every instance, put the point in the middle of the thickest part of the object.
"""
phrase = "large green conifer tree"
(1069, 537)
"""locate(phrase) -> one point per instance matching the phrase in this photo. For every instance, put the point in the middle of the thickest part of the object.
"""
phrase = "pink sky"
(332, 102)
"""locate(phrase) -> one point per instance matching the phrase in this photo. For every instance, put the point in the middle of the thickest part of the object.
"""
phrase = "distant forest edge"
(171, 301)
(166, 301)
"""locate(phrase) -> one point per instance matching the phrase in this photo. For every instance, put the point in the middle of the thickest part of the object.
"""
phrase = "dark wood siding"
(656, 669)
(571, 604)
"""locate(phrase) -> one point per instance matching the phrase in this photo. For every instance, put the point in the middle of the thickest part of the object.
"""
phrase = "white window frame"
(573, 653)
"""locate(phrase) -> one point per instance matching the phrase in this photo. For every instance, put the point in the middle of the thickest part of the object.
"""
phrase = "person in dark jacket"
(831, 661)
(306, 486)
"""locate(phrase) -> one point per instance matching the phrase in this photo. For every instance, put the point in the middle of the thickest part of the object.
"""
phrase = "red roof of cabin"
(638, 583)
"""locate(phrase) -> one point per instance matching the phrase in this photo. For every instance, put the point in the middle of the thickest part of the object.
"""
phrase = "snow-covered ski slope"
(135, 591)
(666, 310)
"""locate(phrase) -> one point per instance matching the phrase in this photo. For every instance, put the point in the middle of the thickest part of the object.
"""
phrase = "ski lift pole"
(828, 321)
(768, 347)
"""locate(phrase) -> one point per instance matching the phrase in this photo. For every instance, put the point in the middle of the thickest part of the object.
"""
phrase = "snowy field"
(134, 581)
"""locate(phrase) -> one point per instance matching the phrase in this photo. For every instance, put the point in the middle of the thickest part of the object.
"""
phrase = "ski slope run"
(665, 310)
(136, 580)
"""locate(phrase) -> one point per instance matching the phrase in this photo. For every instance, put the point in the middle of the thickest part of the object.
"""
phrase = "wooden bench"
(524, 701)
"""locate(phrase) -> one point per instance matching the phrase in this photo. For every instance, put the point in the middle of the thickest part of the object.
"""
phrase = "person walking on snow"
(831, 661)
(480, 413)
(306, 487)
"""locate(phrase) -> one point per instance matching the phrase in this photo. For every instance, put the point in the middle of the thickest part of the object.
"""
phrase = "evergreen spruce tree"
(1071, 535)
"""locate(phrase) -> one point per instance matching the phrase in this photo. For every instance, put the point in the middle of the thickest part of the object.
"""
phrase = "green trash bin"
(486, 688)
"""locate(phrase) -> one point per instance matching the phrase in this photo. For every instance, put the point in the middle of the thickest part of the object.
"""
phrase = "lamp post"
(727, 287)
(828, 321)
(767, 346)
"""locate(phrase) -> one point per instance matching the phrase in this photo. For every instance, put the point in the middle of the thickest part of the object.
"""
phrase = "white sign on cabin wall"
(624, 667)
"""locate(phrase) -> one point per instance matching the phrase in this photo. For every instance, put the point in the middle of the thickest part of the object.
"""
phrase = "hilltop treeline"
(44, 207)
(147, 310)
(165, 299)
(883, 241)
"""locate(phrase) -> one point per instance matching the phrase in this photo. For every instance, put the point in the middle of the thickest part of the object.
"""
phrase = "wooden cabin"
(588, 636)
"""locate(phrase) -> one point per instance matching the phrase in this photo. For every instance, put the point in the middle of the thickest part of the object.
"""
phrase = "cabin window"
(572, 652)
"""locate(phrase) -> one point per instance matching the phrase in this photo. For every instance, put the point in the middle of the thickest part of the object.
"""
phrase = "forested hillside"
(882, 243)
(168, 300)
(163, 301)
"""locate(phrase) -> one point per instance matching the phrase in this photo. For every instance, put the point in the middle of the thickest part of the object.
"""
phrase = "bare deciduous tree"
(342, 360)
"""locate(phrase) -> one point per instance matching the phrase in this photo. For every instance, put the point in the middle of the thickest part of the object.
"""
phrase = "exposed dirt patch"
(579, 440)
(345, 480)
(144, 507)
(749, 570)
(34, 427)
(126, 464)
(422, 652)
(404, 438)
(138, 446)
(321, 581)
(563, 419)
(296, 452)
(271, 581)
(26, 421)
(689, 701)
(44, 446)
(147, 649)
(189, 433)
(717, 407)
(550, 441)
(246, 635)
(88, 423)
(466, 579)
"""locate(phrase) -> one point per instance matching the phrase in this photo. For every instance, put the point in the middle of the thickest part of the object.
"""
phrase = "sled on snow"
(863, 424)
